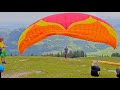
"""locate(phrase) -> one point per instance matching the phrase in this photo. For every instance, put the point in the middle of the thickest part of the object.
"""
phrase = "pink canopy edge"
(66, 19)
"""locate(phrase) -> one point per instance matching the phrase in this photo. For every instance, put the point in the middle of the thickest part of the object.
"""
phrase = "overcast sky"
(31, 17)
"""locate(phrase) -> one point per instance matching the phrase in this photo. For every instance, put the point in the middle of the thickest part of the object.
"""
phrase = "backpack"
(94, 70)
(94, 73)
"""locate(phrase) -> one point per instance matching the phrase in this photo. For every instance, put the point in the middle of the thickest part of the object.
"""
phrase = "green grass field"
(56, 67)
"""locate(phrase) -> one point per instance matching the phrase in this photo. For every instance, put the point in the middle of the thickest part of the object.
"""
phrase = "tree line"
(71, 54)
(115, 54)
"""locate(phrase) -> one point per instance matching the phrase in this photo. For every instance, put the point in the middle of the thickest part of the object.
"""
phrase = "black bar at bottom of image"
(0, 74)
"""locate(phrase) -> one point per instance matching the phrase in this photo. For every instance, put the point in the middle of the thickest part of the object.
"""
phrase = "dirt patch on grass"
(19, 74)
(111, 71)
(23, 60)
(14, 75)
(83, 65)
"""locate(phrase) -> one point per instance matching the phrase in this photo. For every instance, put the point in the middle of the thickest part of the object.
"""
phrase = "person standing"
(3, 51)
(66, 52)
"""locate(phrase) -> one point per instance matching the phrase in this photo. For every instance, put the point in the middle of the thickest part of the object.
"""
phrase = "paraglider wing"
(77, 25)
(108, 62)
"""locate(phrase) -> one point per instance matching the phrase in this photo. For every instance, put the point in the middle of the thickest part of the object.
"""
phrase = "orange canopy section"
(77, 25)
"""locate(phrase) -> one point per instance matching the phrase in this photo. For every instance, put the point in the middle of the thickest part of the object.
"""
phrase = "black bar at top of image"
(59, 6)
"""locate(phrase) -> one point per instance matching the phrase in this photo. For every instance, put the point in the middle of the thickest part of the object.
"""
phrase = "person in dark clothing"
(95, 69)
(118, 72)
(66, 52)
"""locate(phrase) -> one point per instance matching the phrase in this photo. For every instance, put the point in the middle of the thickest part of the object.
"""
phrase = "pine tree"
(58, 55)
(61, 54)
(70, 54)
(11, 54)
(85, 55)
(115, 55)
(32, 54)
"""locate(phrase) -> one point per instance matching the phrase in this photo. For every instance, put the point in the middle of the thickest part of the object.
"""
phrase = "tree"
(32, 54)
(11, 54)
(115, 55)
(15, 54)
(70, 54)
(85, 55)
(81, 53)
(58, 55)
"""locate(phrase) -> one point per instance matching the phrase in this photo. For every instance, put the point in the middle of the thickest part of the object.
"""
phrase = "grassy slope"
(53, 67)
(108, 51)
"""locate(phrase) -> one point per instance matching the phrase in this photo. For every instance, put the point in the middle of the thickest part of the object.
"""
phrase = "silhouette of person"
(66, 51)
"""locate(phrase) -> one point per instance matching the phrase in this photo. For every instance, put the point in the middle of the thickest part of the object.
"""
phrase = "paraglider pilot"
(66, 52)
(95, 69)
